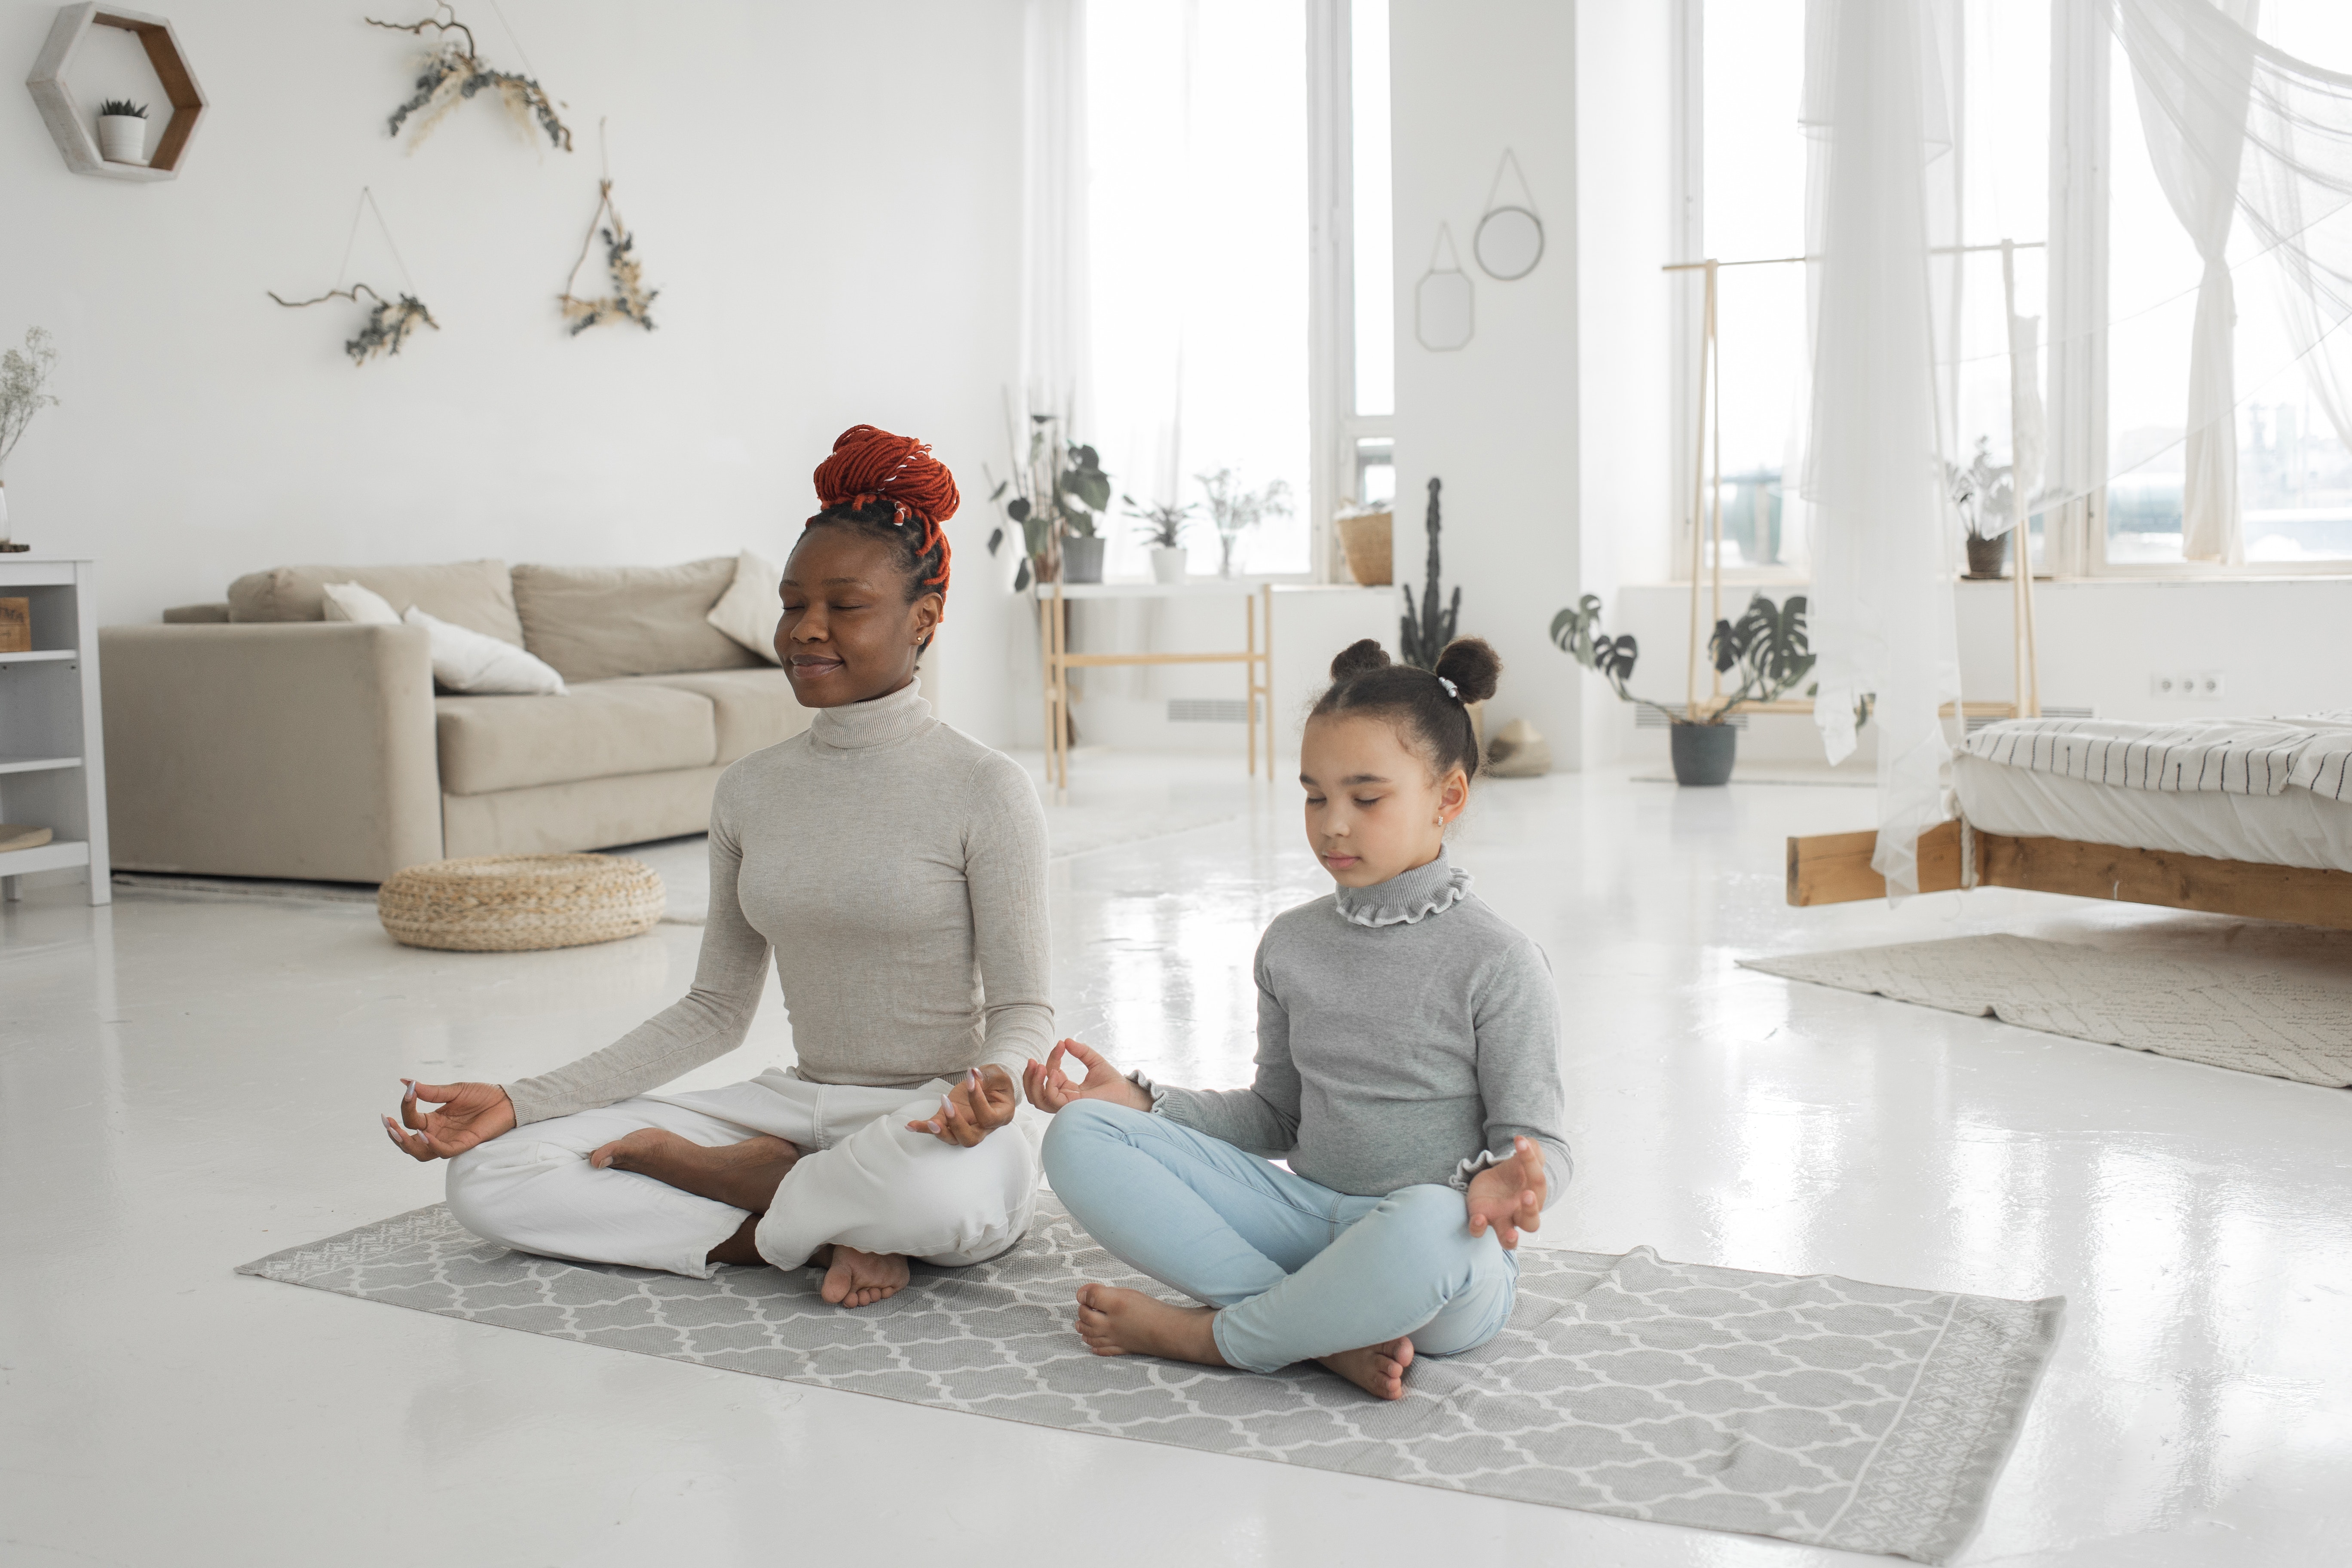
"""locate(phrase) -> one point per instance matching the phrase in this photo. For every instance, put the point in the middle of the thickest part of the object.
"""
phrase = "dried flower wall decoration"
(630, 300)
(389, 321)
(454, 72)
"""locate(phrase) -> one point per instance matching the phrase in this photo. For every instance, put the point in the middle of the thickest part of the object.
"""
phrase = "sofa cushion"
(599, 730)
(475, 594)
(598, 622)
(755, 709)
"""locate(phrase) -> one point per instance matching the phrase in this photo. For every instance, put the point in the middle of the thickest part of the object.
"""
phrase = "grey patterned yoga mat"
(2293, 1021)
(1814, 1409)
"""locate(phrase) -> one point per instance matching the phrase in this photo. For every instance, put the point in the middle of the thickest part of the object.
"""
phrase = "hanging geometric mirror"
(1509, 239)
(1441, 313)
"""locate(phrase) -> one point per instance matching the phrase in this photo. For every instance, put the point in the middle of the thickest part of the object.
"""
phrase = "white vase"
(122, 138)
(1168, 565)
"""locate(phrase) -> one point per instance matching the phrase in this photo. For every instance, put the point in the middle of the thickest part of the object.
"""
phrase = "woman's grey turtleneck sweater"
(1406, 1033)
(896, 867)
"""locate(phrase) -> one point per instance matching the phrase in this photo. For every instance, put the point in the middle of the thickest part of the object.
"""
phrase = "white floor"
(187, 1082)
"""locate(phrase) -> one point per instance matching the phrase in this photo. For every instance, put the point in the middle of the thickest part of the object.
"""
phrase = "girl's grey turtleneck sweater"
(1406, 1034)
(897, 868)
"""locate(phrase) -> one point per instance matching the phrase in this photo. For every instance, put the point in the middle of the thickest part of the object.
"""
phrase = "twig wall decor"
(630, 300)
(455, 71)
(389, 321)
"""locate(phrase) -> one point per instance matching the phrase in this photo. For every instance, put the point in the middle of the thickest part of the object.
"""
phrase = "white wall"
(1496, 420)
(2276, 641)
(1624, 186)
(827, 197)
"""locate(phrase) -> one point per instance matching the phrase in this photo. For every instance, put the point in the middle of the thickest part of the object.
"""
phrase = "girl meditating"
(897, 871)
(1407, 1068)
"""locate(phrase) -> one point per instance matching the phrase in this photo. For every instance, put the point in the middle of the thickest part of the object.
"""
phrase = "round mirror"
(1509, 243)
(1442, 310)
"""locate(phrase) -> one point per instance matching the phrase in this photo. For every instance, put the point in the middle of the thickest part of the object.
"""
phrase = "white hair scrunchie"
(1450, 690)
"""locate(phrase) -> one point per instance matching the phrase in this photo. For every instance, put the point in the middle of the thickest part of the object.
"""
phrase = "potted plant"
(1054, 491)
(1236, 510)
(1163, 532)
(23, 376)
(123, 131)
(1426, 629)
(1767, 646)
(1983, 495)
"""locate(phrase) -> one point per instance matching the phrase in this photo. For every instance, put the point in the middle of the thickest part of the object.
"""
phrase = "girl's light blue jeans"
(1299, 1270)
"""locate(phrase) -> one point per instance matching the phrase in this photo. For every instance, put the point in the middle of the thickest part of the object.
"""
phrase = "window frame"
(1336, 427)
(2075, 533)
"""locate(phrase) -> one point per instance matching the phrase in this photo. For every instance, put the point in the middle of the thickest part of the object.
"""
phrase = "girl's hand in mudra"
(1050, 1088)
(1509, 1195)
(470, 1113)
(984, 1102)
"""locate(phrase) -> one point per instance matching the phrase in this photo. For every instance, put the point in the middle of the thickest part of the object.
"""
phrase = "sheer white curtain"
(1882, 550)
(2195, 84)
(1053, 293)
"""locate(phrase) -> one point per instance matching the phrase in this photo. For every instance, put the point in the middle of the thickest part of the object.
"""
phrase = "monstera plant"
(1765, 647)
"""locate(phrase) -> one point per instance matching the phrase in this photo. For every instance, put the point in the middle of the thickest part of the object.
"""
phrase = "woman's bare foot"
(1114, 1321)
(854, 1278)
(744, 1174)
(1378, 1370)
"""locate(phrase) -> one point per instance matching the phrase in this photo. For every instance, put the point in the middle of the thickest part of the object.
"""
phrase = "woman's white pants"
(864, 1180)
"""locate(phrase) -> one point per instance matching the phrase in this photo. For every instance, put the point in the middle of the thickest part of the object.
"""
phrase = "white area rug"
(1816, 1410)
(2291, 1022)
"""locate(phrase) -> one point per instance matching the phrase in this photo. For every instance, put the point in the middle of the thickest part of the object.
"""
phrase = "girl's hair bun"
(1361, 658)
(1472, 665)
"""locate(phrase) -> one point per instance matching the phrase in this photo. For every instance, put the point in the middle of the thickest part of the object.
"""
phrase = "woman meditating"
(1407, 1067)
(897, 869)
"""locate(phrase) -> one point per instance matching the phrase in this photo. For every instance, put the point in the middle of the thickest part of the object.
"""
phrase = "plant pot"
(122, 138)
(1168, 564)
(1986, 556)
(1702, 753)
(1082, 558)
(1364, 540)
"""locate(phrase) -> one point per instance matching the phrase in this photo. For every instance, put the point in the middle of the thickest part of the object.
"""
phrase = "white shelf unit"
(52, 741)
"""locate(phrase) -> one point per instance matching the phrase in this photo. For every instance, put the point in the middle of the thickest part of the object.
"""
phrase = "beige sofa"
(256, 739)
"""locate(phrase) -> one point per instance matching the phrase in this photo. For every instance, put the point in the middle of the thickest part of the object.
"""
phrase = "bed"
(2231, 817)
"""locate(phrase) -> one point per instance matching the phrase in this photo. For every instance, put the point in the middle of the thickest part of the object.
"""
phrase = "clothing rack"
(2027, 701)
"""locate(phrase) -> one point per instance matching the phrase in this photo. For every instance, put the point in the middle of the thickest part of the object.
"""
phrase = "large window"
(1991, 183)
(1196, 130)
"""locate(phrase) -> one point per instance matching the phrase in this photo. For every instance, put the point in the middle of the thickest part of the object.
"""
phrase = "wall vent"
(1208, 710)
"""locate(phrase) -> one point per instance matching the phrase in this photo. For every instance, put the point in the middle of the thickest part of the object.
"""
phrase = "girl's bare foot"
(1378, 1370)
(744, 1174)
(1114, 1321)
(854, 1278)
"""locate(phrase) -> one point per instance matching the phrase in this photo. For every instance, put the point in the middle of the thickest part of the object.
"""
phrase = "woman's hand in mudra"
(1509, 1196)
(470, 1113)
(984, 1102)
(1050, 1088)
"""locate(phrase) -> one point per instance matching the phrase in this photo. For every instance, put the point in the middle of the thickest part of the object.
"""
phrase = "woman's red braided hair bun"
(869, 465)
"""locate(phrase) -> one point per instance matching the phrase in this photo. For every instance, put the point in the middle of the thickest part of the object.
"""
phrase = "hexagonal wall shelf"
(71, 127)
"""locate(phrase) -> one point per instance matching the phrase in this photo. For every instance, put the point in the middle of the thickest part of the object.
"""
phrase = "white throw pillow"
(479, 665)
(350, 602)
(752, 605)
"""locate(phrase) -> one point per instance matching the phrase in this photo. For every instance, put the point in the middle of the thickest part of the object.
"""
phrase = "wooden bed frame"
(1834, 869)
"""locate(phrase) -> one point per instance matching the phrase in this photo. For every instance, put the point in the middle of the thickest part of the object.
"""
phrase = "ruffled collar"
(1408, 898)
(862, 726)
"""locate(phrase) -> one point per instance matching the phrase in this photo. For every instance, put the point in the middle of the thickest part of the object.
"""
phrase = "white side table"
(52, 741)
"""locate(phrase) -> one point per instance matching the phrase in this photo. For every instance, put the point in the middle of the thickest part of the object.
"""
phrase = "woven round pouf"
(520, 903)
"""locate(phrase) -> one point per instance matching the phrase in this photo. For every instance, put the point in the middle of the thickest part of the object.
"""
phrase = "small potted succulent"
(123, 131)
(1162, 531)
(1767, 646)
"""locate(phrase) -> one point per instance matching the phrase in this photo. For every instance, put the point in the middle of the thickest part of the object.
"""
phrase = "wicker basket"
(520, 903)
(1365, 539)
